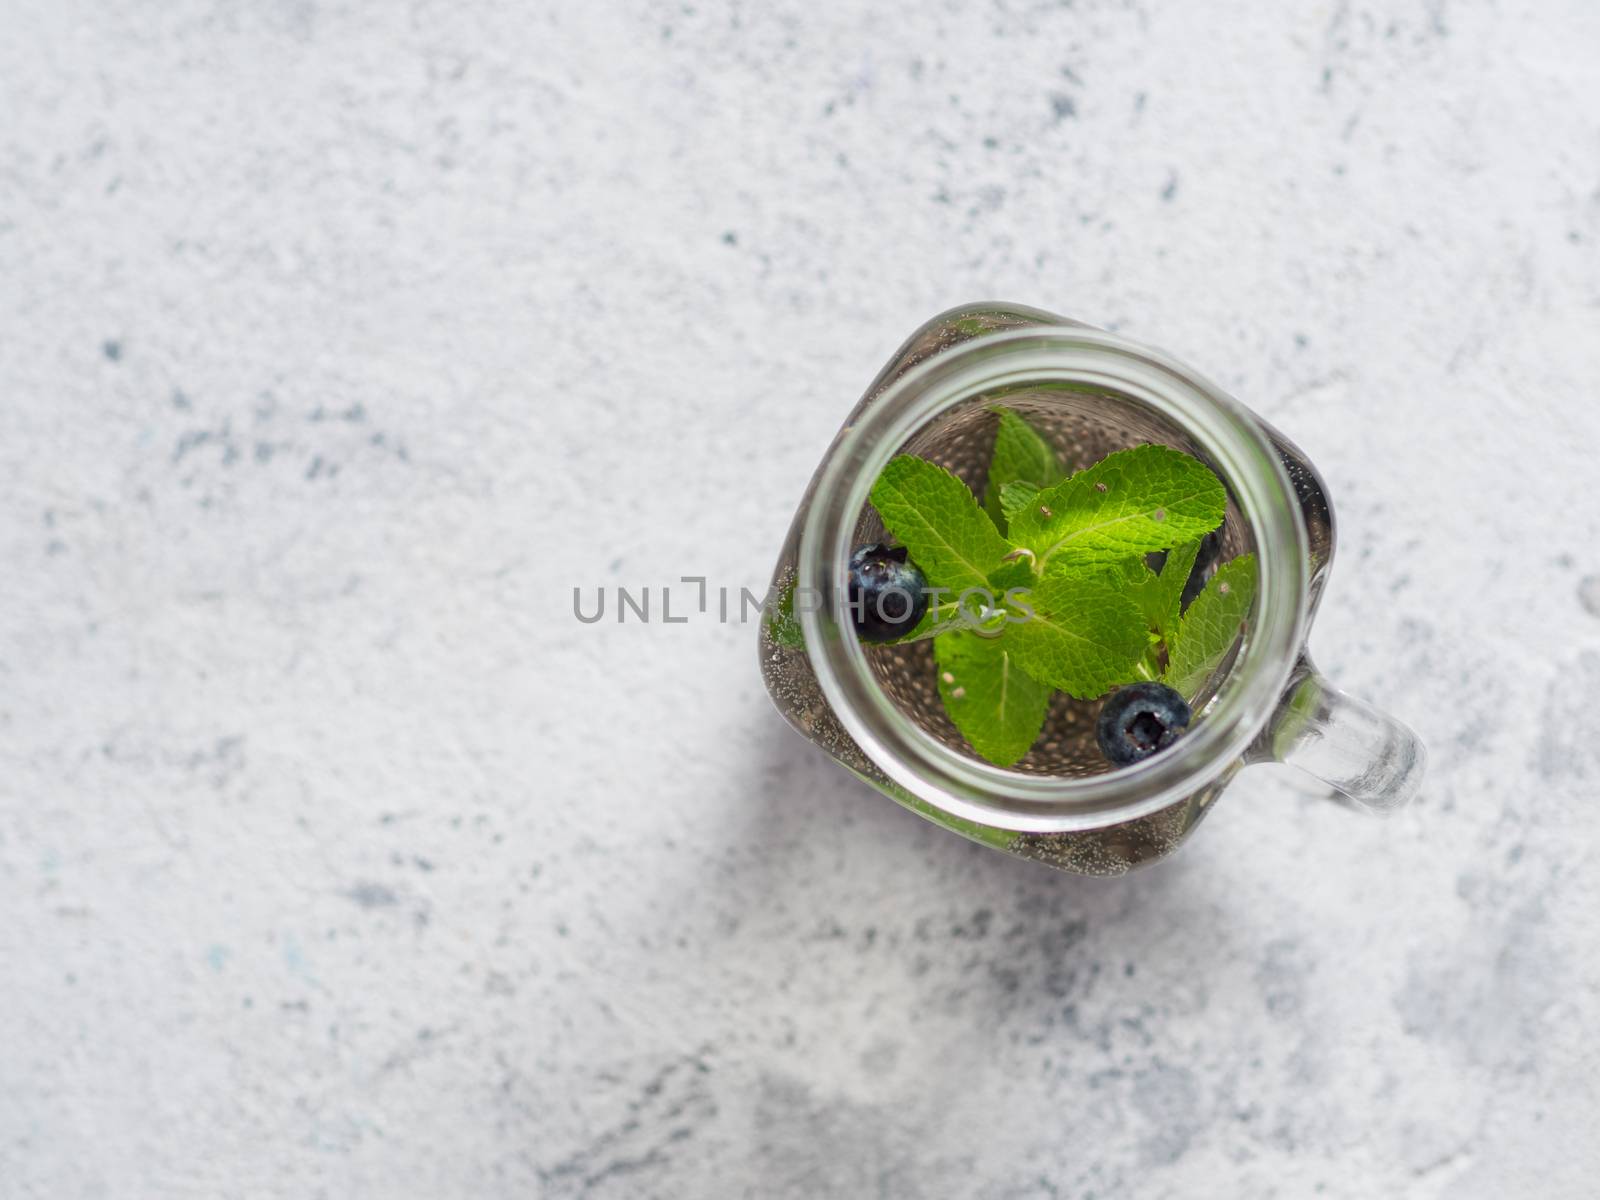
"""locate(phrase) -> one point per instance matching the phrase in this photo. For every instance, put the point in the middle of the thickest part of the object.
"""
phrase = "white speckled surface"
(339, 340)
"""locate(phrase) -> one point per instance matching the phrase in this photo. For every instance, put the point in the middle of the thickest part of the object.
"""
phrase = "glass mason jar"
(876, 709)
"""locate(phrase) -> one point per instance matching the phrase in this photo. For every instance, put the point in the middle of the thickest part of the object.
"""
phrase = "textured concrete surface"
(338, 341)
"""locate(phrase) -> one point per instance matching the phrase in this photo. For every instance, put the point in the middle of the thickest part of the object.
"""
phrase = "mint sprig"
(938, 520)
(1020, 455)
(1212, 625)
(1161, 596)
(1085, 636)
(1074, 608)
(1133, 502)
(998, 706)
(1015, 497)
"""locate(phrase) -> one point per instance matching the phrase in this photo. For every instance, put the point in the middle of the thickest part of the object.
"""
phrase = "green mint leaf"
(1016, 496)
(997, 706)
(1161, 596)
(1084, 636)
(1020, 455)
(1124, 574)
(1211, 626)
(935, 516)
(1130, 503)
(1015, 574)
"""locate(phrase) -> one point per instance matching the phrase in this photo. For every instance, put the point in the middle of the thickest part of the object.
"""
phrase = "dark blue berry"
(1140, 719)
(888, 594)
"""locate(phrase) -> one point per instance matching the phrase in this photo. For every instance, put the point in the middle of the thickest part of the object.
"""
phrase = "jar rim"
(1239, 448)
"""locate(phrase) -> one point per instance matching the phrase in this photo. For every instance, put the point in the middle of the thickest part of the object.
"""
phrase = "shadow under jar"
(876, 709)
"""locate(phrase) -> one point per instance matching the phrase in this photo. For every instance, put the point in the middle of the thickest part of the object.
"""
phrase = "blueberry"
(1140, 719)
(888, 594)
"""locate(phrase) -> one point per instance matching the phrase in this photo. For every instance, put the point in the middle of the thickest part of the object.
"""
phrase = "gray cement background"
(338, 341)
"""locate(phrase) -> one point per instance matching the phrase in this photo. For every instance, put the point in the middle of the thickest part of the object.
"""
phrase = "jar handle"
(1370, 760)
